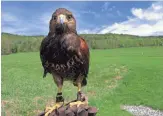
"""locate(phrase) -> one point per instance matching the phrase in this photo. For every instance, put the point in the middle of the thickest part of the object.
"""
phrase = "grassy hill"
(126, 76)
(16, 43)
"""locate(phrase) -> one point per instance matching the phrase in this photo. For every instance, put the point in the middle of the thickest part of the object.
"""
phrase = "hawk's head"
(62, 21)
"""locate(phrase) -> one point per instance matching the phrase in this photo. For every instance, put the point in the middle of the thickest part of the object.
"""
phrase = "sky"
(134, 18)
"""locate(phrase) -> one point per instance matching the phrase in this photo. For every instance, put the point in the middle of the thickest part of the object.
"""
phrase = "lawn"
(130, 76)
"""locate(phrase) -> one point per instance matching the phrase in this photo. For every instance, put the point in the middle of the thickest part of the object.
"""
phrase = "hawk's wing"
(77, 46)
(84, 55)
(43, 52)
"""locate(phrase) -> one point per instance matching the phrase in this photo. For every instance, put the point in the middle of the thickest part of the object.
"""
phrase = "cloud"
(95, 14)
(89, 31)
(144, 22)
(131, 27)
(119, 13)
(105, 6)
(157, 6)
(8, 17)
(153, 13)
(45, 18)
(13, 23)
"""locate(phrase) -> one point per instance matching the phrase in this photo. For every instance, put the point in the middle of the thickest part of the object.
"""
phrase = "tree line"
(16, 43)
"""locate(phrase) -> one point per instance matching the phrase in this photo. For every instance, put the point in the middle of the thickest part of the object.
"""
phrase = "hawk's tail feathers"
(44, 75)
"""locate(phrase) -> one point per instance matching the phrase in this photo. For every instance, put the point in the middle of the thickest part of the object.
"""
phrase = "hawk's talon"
(78, 103)
(49, 110)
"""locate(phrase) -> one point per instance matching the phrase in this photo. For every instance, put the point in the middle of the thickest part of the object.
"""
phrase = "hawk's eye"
(69, 16)
(54, 17)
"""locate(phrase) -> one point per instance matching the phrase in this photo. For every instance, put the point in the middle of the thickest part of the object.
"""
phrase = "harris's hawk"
(64, 54)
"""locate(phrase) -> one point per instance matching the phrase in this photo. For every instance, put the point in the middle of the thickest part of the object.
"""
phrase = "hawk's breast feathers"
(66, 55)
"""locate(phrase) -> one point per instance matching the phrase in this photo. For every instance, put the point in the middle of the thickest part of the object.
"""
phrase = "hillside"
(17, 43)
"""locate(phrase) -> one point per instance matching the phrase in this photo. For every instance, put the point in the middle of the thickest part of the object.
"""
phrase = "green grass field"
(131, 76)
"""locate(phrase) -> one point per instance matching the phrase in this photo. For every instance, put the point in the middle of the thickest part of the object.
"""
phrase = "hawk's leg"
(80, 100)
(59, 99)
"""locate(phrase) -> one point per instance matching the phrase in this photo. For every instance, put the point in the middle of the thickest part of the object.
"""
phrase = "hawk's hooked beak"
(62, 18)
(61, 23)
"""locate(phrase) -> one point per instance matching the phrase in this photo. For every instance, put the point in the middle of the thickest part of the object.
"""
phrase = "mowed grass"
(132, 76)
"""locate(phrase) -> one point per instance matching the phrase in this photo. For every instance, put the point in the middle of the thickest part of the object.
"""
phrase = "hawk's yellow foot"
(59, 103)
(78, 103)
(49, 110)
